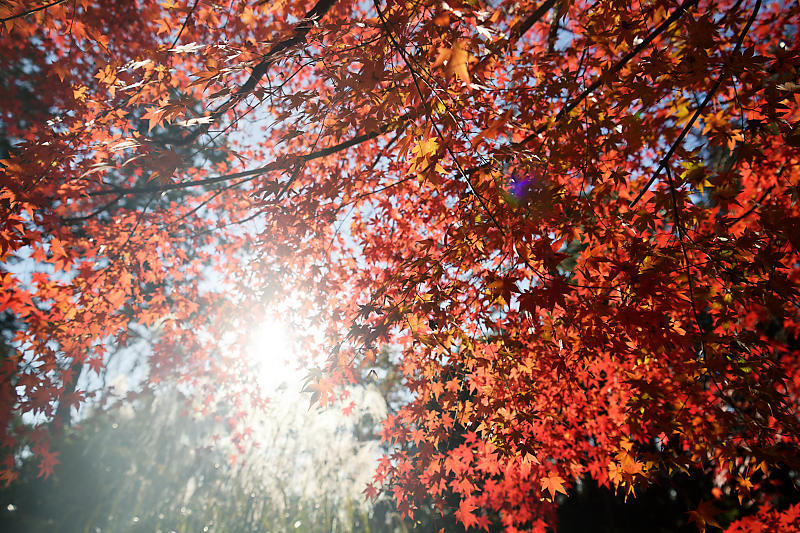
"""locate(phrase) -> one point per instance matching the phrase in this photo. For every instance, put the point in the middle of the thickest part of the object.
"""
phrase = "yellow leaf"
(428, 147)
(80, 93)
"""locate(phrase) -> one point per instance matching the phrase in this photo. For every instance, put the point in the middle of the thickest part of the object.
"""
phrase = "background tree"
(149, 464)
(577, 222)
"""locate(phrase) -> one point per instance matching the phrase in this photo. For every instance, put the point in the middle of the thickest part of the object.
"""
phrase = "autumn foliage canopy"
(577, 223)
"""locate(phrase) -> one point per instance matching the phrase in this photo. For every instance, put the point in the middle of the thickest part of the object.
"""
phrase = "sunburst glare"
(271, 349)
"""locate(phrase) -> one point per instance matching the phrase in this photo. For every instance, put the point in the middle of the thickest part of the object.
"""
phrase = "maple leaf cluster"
(577, 223)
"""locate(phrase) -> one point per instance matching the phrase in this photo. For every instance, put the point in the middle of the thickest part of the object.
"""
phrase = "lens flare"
(272, 352)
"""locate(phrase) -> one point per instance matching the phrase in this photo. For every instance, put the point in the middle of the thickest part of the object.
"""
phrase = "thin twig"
(753, 207)
(606, 75)
(279, 164)
(679, 227)
(300, 33)
(709, 95)
(447, 147)
(32, 11)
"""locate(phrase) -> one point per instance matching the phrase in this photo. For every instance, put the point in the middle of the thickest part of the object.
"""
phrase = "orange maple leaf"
(154, 117)
(553, 483)
(459, 58)
(321, 393)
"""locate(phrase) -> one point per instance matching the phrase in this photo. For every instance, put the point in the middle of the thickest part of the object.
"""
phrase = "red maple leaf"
(464, 513)
(48, 461)
(704, 515)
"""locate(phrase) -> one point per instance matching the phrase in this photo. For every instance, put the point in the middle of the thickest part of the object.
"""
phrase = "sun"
(271, 350)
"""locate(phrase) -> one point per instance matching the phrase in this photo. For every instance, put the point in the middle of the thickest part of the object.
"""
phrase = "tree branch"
(521, 29)
(32, 11)
(279, 164)
(709, 95)
(447, 147)
(300, 33)
(605, 76)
